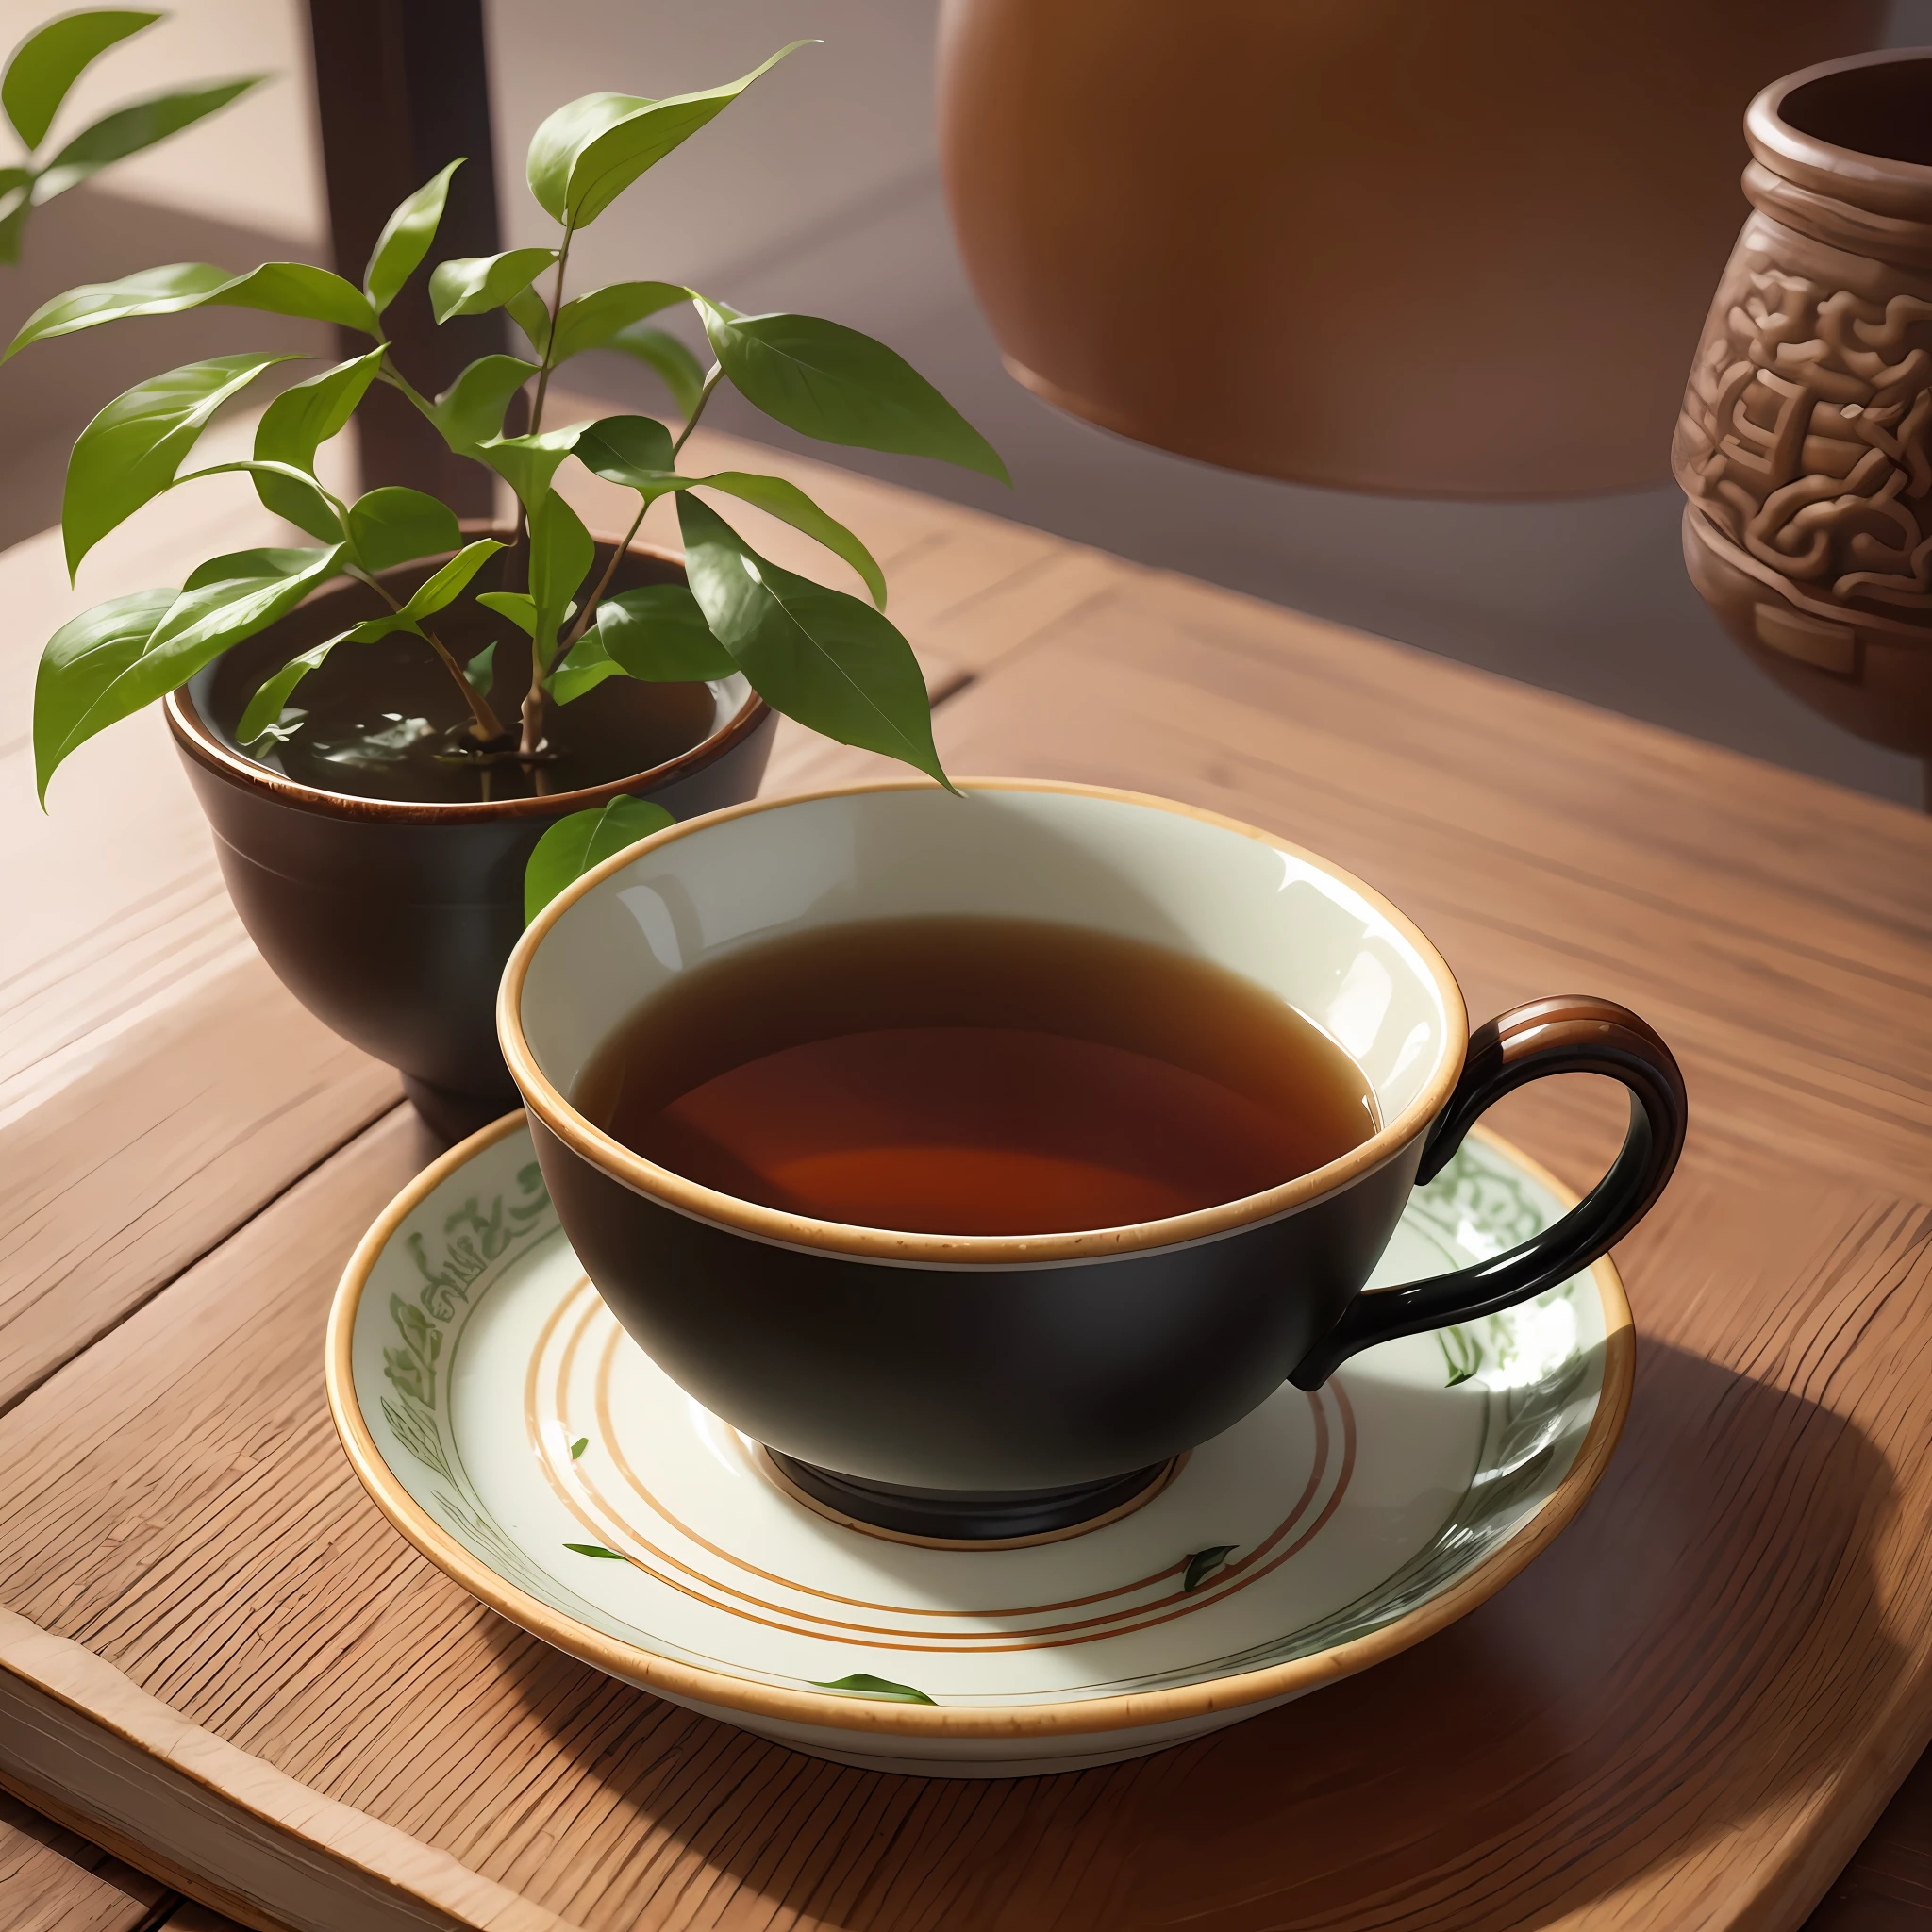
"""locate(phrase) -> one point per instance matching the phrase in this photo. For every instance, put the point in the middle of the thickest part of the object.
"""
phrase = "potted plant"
(385, 724)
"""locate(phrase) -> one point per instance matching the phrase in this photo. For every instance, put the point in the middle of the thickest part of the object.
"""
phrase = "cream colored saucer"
(513, 1432)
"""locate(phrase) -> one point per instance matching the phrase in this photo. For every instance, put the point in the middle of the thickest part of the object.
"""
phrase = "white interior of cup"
(1140, 870)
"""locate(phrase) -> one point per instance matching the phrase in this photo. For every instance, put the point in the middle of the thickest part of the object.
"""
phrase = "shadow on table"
(1697, 1646)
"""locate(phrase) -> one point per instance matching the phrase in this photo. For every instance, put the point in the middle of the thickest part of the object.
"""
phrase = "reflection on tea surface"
(975, 1076)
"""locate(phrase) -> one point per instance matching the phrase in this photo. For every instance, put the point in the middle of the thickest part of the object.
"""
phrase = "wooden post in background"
(402, 86)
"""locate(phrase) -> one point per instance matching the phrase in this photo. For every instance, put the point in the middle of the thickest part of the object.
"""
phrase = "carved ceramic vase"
(1805, 444)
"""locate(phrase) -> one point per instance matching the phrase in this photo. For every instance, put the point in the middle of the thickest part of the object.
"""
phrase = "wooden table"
(1689, 1711)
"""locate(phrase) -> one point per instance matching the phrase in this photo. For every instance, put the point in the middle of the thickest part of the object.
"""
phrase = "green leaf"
(450, 581)
(590, 150)
(527, 310)
(586, 666)
(636, 452)
(265, 708)
(45, 64)
(790, 505)
(295, 425)
(236, 566)
(1203, 1563)
(581, 1444)
(405, 240)
(114, 660)
(681, 372)
(572, 845)
(561, 553)
(299, 288)
(828, 659)
(518, 606)
(278, 288)
(130, 452)
(656, 635)
(825, 380)
(527, 463)
(153, 291)
(82, 659)
(592, 320)
(470, 410)
(596, 1550)
(129, 130)
(393, 526)
(480, 671)
(863, 1684)
(475, 284)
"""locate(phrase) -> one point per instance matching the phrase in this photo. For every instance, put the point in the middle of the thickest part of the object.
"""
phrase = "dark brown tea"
(970, 1075)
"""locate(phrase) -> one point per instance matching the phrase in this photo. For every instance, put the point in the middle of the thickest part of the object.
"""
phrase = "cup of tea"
(980, 1154)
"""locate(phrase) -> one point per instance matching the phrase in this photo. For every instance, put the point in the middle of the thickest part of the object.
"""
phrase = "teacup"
(980, 1387)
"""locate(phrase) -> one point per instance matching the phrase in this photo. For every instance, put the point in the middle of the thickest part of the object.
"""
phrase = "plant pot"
(390, 918)
(1451, 249)
(1805, 444)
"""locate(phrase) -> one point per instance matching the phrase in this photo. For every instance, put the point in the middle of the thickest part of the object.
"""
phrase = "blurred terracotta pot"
(1805, 445)
(1455, 249)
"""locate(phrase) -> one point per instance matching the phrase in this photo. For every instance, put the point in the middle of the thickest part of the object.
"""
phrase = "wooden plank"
(156, 1084)
(53, 1881)
(1687, 1712)
(225, 1827)
(204, 1815)
(134, 1150)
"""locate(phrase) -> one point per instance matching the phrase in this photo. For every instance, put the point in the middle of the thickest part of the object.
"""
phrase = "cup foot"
(453, 1116)
(969, 1516)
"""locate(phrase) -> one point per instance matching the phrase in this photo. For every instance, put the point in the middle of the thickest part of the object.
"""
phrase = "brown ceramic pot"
(1805, 444)
(391, 919)
(1449, 249)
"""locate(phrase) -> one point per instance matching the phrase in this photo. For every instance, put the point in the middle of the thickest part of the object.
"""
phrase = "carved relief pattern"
(1805, 435)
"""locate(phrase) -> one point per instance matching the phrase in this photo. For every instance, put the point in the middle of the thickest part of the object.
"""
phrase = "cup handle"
(1568, 1034)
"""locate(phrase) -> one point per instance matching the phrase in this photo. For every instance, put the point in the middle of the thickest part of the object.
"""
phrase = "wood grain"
(1687, 1712)
(53, 1881)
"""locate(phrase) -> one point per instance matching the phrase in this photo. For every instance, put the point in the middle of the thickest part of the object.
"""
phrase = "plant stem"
(697, 408)
(543, 368)
(589, 609)
(596, 596)
(487, 724)
(531, 740)
(386, 370)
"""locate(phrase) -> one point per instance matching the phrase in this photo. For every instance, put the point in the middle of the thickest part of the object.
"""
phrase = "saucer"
(511, 1431)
